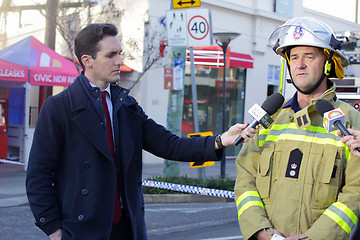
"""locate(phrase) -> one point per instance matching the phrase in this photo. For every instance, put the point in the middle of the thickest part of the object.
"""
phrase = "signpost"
(190, 27)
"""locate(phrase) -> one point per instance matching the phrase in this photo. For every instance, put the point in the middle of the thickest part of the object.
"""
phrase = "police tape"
(12, 162)
(189, 189)
(169, 186)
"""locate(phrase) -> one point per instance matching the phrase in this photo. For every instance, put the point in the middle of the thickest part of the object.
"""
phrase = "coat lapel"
(126, 127)
(87, 119)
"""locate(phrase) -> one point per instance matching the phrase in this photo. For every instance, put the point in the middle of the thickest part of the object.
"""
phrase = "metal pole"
(201, 171)
(356, 11)
(194, 91)
(222, 167)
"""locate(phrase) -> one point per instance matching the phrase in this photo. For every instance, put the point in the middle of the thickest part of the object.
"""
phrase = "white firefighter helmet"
(307, 31)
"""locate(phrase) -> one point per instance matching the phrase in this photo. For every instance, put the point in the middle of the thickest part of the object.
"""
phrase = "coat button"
(86, 164)
(84, 192)
(81, 217)
(121, 99)
(42, 219)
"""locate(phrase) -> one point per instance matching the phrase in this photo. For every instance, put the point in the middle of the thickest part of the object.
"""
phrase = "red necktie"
(109, 138)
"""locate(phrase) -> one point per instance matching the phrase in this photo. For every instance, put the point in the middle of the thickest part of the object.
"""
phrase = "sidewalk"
(12, 180)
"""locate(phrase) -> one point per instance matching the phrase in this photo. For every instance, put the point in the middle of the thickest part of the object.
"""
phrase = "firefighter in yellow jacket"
(295, 179)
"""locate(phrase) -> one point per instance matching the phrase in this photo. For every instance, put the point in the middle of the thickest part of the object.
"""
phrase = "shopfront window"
(273, 79)
(209, 83)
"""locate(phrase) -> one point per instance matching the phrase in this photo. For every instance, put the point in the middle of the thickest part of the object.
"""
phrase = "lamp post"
(223, 39)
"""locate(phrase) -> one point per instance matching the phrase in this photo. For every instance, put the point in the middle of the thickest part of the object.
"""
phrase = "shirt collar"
(107, 89)
(293, 103)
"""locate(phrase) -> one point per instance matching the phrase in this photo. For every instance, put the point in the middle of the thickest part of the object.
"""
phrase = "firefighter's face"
(306, 66)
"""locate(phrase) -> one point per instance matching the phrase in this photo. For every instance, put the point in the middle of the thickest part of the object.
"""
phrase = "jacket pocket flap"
(329, 156)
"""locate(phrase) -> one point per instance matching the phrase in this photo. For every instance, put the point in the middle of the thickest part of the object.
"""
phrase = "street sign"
(176, 28)
(189, 27)
(185, 3)
(201, 164)
(198, 27)
(178, 74)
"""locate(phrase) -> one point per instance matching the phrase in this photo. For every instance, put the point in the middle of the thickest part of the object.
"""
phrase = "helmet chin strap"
(326, 71)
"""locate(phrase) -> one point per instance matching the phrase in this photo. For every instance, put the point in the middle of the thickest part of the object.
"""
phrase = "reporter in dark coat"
(73, 176)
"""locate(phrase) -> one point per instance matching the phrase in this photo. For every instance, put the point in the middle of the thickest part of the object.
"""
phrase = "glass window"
(273, 79)
(209, 83)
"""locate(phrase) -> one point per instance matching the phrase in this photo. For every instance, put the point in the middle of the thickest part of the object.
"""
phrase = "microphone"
(262, 114)
(333, 118)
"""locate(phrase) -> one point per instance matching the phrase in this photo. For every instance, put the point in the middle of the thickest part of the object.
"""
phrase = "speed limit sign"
(199, 27)
(189, 27)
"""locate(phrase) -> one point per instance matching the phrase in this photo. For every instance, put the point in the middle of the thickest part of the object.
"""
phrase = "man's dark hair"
(86, 41)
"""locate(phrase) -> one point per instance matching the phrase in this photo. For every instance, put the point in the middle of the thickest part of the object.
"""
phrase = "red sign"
(168, 78)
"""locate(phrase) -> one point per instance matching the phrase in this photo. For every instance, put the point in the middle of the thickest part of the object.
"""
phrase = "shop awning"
(125, 68)
(13, 72)
(212, 56)
(45, 66)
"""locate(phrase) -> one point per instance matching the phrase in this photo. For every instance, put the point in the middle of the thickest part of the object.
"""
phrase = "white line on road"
(225, 238)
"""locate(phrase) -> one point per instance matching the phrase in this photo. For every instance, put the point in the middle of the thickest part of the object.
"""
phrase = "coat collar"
(81, 93)
(86, 114)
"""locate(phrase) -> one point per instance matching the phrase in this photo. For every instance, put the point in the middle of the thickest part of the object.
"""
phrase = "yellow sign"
(201, 164)
(185, 3)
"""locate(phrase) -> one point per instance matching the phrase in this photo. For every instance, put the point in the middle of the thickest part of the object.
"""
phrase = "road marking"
(224, 238)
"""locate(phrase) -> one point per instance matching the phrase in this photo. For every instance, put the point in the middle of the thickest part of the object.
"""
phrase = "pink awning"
(50, 68)
(13, 72)
(45, 66)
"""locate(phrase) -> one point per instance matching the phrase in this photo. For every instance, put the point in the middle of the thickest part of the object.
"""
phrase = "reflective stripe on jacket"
(298, 178)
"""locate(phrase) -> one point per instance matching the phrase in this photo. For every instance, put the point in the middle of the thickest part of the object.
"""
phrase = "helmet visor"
(302, 31)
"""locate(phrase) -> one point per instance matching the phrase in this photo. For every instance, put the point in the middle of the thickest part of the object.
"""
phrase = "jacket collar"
(329, 95)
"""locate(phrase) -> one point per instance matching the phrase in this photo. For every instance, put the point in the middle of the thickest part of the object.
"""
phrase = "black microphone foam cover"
(273, 103)
(323, 106)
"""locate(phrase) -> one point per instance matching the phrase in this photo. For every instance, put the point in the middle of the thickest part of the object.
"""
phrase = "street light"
(223, 39)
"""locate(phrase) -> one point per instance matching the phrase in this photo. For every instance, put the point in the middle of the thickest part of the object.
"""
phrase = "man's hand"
(228, 137)
(57, 235)
(266, 234)
(352, 141)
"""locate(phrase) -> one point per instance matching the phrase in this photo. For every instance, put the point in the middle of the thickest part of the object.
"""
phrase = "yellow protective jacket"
(298, 178)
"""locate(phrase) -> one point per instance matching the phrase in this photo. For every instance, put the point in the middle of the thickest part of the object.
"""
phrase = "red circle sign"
(198, 27)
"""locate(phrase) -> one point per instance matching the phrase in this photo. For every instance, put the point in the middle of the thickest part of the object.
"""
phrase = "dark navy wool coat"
(71, 176)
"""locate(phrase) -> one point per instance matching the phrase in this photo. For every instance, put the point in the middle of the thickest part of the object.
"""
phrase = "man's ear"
(87, 61)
